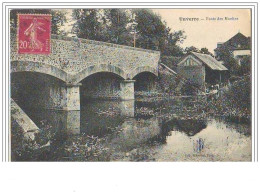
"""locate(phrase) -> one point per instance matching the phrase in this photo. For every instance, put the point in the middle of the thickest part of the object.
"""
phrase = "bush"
(170, 61)
(235, 102)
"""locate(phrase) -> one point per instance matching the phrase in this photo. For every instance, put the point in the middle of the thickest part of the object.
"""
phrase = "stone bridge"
(72, 60)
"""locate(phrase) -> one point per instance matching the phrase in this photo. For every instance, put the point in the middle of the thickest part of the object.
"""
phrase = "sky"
(202, 32)
(207, 33)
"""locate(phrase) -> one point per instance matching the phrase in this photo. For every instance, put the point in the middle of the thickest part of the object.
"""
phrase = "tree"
(205, 50)
(171, 47)
(57, 21)
(225, 55)
(154, 34)
(245, 67)
(151, 29)
(108, 25)
(90, 24)
(117, 26)
(192, 49)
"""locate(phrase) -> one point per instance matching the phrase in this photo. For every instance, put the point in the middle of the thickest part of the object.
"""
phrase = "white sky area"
(201, 33)
(205, 33)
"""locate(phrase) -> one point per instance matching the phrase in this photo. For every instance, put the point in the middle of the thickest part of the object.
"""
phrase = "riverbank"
(234, 102)
(144, 136)
(154, 117)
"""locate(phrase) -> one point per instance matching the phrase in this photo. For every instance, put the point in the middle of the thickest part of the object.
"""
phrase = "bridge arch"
(100, 85)
(28, 66)
(97, 69)
(33, 89)
(145, 82)
(141, 69)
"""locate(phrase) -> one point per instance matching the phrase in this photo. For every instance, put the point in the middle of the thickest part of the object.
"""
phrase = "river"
(134, 131)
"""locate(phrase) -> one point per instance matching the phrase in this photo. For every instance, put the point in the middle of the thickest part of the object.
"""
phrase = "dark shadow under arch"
(26, 66)
(145, 81)
(101, 85)
(32, 89)
(97, 69)
(141, 69)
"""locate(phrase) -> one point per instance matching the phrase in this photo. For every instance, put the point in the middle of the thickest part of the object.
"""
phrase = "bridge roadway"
(73, 59)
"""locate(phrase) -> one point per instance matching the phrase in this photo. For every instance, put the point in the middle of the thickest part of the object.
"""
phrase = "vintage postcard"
(131, 84)
(105, 98)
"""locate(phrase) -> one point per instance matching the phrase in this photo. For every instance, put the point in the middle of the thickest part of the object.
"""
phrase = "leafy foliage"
(245, 67)
(89, 24)
(203, 50)
(118, 29)
(225, 54)
(121, 25)
(235, 102)
(154, 33)
(191, 49)
(171, 61)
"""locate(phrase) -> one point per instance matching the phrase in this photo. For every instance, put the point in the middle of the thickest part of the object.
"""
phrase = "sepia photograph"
(130, 84)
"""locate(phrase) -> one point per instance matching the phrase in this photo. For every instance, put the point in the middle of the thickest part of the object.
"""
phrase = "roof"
(211, 62)
(238, 38)
(169, 69)
(237, 42)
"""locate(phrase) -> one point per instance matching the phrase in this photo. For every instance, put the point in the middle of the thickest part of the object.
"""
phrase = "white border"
(129, 178)
(6, 78)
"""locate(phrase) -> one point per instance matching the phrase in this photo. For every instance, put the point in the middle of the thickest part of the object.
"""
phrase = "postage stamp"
(34, 34)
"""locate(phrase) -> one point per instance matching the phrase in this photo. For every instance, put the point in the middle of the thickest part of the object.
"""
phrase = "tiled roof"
(211, 62)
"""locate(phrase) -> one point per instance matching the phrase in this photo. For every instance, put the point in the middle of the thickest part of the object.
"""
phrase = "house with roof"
(200, 69)
(238, 45)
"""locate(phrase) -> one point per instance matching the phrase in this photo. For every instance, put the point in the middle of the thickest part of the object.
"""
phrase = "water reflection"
(73, 122)
(192, 127)
(198, 145)
(133, 133)
(68, 121)
(99, 118)
(189, 126)
(127, 108)
(127, 126)
(217, 142)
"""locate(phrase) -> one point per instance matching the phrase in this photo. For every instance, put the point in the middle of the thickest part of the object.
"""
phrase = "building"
(238, 46)
(200, 69)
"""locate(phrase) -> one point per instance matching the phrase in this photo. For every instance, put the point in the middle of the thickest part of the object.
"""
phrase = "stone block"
(127, 90)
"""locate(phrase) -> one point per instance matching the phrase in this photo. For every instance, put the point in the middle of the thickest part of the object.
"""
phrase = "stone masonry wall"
(73, 55)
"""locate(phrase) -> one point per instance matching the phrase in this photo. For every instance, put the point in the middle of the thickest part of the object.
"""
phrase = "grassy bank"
(234, 102)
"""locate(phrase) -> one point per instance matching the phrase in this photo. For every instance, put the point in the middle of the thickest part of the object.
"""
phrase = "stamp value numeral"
(23, 44)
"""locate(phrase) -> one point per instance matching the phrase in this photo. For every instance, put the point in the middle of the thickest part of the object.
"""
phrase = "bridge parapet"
(79, 58)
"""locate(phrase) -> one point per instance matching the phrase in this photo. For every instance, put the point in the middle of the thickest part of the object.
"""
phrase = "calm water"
(135, 131)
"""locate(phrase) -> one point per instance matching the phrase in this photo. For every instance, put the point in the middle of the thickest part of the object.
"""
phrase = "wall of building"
(194, 74)
(241, 53)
